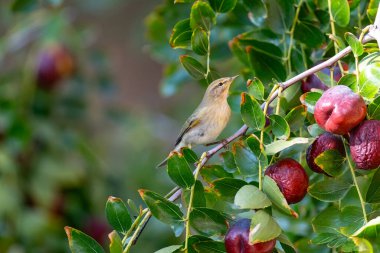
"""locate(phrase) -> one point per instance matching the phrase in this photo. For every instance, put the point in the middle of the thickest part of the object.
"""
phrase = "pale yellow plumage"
(209, 119)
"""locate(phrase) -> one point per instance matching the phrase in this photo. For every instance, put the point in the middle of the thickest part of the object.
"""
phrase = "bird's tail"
(176, 149)
(163, 163)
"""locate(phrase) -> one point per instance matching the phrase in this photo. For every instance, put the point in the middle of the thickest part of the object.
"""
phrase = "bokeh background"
(93, 125)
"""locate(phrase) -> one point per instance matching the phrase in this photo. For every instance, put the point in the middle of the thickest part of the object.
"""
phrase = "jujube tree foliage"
(301, 174)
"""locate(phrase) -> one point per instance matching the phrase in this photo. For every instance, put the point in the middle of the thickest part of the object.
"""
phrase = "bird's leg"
(223, 141)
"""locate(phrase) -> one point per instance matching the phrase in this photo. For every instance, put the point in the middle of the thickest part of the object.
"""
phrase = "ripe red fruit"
(53, 64)
(339, 110)
(291, 178)
(365, 145)
(323, 142)
(237, 240)
(313, 82)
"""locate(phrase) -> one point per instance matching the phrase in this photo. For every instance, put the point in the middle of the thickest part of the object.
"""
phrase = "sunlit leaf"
(116, 246)
(181, 34)
(354, 43)
(277, 146)
(250, 197)
(263, 228)
(340, 11)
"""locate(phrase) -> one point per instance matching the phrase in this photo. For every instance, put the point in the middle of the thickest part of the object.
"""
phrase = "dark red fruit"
(291, 178)
(365, 145)
(313, 82)
(339, 110)
(54, 63)
(237, 240)
(325, 141)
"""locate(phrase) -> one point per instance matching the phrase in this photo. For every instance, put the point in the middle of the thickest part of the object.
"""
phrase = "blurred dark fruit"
(339, 110)
(291, 178)
(54, 63)
(237, 240)
(325, 141)
(365, 145)
(98, 229)
(313, 82)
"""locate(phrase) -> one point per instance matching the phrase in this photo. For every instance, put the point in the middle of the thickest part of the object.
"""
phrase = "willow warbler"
(209, 119)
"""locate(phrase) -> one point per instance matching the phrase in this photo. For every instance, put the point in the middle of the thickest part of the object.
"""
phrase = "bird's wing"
(189, 124)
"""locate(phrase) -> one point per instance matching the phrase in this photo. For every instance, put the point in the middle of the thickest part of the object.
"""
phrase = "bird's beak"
(233, 78)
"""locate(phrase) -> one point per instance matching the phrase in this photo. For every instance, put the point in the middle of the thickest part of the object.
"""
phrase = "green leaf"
(24, 5)
(315, 130)
(373, 193)
(181, 35)
(256, 88)
(296, 117)
(281, 15)
(246, 161)
(199, 41)
(331, 161)
(372, 10)
(228, 187)
(340, 11)
(329, 190)
(118, 215)
(254, 144)
(263, 228)
(354, 43)
(314, 37)
(169, 249)
(190, 155)
(210, 247)
(193, 67)
(210, 173)
(223, 5)
(195, 239)
(250, 197)
(369, 78)
(369, 230)
(202, 16)
(277, 146)
(257, 11)
(133, 207)
(161, 208)
(374, 109)
(199, 199)
(116, 246)
(265, 60)
(277, 198)
(228, 161)
(280, 127)
(179, 170)
(311, 99)
(81, 243)
(208, 222)
(251, 112)
(286, 244)
(348, 80)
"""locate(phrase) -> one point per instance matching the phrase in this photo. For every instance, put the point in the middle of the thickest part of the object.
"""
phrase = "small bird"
(209, 119)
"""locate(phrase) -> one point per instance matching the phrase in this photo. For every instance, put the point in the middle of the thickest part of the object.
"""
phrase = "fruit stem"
(333, 32)
(278, 100)
(266, 104)
(291, 32)
(357, 71)
(355, 181)
(190, 206)
(140, 226)
(208, 55)
(332, 77)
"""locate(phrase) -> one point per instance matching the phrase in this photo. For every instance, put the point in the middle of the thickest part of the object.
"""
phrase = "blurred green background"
(93, 125)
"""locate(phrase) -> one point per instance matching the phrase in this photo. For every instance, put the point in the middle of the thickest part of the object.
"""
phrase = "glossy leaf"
(315, 130)
(277, 146)
(210, 173)
(228, 187)
(193, 67)
(329, 190)
(251, 112)
(161, 208)
(354, 43)
(181, 34)
(199, 41)
(286, 244)
(81, 243)
(263, 228)
(169, 249)
(369, 230)
(331, 161)
(223, 5)
(281, 15)
(116, 246)
(208, 222)
(118, 215)
(296, 117)
(311, 99)
(202, 15)
(210, 247)
(374, 109)
(373, 192)
(254, 144)
(250, 197)
(179, 170)
(199, 199)
(340, 11)
(246, 161)
(190, 155)
(256, 88)
(275, 195)
(314, 36)
(228, 161)
(257, 11)
(279, 126)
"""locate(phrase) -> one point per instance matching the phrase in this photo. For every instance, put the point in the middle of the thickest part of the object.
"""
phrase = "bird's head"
(218, 89)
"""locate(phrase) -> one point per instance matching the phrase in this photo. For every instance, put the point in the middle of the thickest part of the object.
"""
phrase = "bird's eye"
(220, 84)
